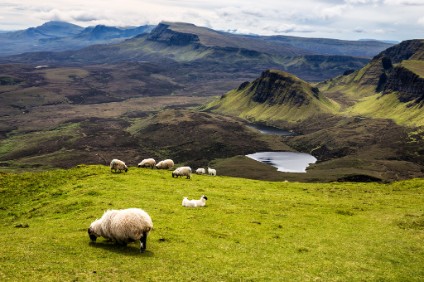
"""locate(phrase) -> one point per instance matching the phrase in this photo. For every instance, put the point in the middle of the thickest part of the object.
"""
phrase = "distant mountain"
(206, 51)
(60, 36)
(326, 46)
(102, 32)
(53, 29)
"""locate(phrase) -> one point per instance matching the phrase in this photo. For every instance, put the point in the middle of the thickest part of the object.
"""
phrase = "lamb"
(182, 171)
(200, 170)
(211, 171)
(116, 164)
(122, 226)
(165, 164)
(194, 203)
(147, 163)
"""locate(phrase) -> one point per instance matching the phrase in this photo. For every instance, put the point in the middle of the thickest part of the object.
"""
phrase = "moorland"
(188, 92)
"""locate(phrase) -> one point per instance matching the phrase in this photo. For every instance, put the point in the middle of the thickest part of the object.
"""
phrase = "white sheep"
(165, 164)
(211, 171)
(147, 163)
(182, 171)
(122, 226)
(116, 164)
(200, 170)
(194, 203)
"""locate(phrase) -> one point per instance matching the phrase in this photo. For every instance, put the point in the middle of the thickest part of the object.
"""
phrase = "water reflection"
(265, 129)
(285, 161)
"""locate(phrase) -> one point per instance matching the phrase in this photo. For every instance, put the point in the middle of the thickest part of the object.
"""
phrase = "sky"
(395, 20)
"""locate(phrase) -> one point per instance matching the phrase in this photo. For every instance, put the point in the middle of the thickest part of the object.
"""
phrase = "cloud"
(404, 2)
(343, 19)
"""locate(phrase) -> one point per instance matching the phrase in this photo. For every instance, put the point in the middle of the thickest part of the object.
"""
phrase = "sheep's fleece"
(194, 203)
(122, 226)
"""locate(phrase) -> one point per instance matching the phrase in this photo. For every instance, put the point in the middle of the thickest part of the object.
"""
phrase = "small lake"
(265, 129)
(285, 161)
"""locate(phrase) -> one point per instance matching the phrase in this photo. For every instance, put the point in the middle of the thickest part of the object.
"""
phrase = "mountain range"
(356, 106)
(60, 36)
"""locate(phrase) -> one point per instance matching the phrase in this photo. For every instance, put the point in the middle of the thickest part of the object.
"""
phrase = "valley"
(189, 93)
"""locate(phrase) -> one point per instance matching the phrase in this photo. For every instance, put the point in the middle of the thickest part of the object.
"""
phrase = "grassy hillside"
(274, 96)
(249, 230)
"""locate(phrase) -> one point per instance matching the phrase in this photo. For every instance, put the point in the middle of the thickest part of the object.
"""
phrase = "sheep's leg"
(143, 242)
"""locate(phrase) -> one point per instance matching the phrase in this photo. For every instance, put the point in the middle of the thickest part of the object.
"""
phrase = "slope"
(274, 96)
(248, 229)
(390, 86)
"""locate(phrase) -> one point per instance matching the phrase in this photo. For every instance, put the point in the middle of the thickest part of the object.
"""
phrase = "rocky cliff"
(162, 33)
(277, 87)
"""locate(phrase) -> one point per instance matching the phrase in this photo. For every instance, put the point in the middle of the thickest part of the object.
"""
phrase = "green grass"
(414, 66)
(249, 230)
(388, 106)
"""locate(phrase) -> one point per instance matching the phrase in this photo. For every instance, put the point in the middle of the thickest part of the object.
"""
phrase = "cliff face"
(410, 86)
(276, 87)
(387, 72)
(163, 34)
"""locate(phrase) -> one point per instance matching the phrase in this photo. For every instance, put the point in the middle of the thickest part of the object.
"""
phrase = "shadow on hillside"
(129, 250)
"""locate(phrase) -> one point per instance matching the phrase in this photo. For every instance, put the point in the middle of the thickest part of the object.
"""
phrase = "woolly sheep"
(182, 171)
(194, 203)
(211, 171)
(200, 170)
(122, 226)
(165, 164)
(116, 164)
(147, 163)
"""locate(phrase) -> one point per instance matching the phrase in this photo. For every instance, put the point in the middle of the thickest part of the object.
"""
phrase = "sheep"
(165, 164)
(194, 203)
(211, 171)
(122, 226)
(116, 164)
(182, 171)
(200, 170)
(147, 163)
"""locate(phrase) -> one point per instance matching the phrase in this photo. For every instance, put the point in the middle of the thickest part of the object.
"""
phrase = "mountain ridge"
(59, 36)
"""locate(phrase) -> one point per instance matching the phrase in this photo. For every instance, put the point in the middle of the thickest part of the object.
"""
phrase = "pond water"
(265, 129)
(285, 161)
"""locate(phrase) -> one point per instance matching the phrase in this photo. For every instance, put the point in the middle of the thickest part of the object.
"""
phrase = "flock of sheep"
(133, 224)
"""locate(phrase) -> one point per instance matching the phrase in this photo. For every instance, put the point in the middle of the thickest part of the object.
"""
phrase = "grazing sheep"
(165, 164)
(116, 164)
(182, 171)
(211, 171)
(194, 203)
(122, 226)
(147, 163)
(200, 170)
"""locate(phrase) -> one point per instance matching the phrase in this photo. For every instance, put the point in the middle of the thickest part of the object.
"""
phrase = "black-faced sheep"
(116, 164)
(147, 163)
(194, 203)
(123, 226)
(165, 164)
(200, 170)
(211, 171)
(182, 171)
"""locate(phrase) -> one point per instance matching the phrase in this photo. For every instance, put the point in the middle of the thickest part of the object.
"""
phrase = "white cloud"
(347, 19)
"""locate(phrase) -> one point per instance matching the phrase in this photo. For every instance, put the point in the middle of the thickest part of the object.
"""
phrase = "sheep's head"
(91, 234)
(204, 197)
(93, 230)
